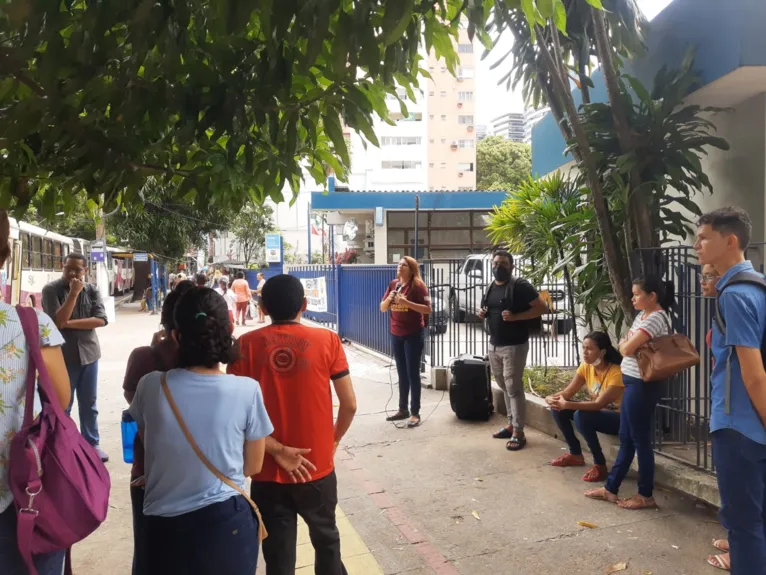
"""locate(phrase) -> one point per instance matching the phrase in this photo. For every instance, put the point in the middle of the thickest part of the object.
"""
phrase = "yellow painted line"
(356, 555)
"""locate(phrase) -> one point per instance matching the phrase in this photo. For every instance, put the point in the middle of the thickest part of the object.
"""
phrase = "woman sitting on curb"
(600, 374)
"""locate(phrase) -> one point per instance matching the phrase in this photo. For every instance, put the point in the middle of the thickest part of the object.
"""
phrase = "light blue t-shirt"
(744, 310)
(221, 412)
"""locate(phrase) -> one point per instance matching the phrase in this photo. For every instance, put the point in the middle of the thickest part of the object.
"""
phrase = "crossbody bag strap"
(262, 533)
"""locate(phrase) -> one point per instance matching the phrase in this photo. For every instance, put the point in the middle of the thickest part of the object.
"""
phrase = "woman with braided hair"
(194, 521)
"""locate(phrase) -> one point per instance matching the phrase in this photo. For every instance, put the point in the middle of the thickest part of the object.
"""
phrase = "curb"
(669, 473)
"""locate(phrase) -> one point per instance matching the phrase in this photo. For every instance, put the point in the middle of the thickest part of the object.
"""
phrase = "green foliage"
(250, 227)
(543, 382)
(165, 225)
(501, 164)
(77, 222)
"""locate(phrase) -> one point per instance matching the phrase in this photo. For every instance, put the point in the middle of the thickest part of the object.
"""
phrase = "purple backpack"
(60, 486)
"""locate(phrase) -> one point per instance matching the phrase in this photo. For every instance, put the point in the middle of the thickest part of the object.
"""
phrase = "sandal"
(568, 460)
(596, 474)
(504, 433)
(516, 443)
(638, 502)
(398, 416)
(721, 545)
(601, 494)
(414, 421)
(722, 562)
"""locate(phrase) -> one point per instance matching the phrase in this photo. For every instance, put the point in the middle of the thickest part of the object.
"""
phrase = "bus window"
(26, 249)
(58, 256)
(37, 253)
(47, 255)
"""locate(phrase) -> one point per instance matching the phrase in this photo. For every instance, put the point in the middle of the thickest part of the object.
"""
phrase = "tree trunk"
(616, 265)
(639, 206)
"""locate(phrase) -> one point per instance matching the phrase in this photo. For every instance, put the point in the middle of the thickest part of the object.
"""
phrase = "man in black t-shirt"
(508, 305)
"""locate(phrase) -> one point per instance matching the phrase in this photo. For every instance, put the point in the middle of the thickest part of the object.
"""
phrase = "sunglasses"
(707, 278)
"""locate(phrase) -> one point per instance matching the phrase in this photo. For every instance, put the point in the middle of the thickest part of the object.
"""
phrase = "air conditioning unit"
(460, 104)
(470, 128)
(368, 245)
(460, 174)
(453, 145)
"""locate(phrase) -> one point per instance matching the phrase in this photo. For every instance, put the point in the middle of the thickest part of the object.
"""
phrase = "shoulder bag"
(262, 533)
(665, 356)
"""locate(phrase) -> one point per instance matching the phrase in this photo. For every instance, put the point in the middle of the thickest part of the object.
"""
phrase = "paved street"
(444, 498)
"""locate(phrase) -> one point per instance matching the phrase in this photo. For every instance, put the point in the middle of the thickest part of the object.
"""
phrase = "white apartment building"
(531, 118)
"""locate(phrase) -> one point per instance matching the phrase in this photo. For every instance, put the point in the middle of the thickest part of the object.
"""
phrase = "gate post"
(337, 272)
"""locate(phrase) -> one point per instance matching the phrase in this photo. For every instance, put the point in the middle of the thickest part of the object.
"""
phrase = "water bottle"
(129, 431)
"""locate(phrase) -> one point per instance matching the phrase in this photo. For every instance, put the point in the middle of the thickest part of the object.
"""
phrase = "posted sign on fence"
(316, 293)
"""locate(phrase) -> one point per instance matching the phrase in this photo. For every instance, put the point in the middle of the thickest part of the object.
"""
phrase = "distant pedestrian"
(738, 411)
(408, 300)
(508, 304)
(242, 291)
(601, 377)
(203, 433)
(201, 279)
(653, 299)
(14, 364)
(229, 297)
(77, 310)
(161, 355)
(259, 289)
(295, 364)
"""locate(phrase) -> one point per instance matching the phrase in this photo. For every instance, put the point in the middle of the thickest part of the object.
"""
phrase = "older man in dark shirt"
(77, 310)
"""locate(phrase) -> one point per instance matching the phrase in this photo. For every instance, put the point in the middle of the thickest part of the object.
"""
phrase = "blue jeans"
(10, 558)
(84, 382)
(589, 424)
(741, 466)
(219, 539)
(408, 351)
(636, 429)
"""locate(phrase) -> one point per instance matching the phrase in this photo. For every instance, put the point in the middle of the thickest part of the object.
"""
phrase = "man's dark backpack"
(535, 326)
(750, 278)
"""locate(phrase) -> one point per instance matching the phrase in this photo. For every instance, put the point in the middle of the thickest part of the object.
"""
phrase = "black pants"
(315, 502)
(408, 353)
(139, 554)
(220, 539)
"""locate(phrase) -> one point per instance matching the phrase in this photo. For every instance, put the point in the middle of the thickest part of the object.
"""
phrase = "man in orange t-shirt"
(242, 291)
(294, 364)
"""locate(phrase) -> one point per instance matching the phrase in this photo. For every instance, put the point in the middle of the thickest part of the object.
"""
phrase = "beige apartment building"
(451, 123)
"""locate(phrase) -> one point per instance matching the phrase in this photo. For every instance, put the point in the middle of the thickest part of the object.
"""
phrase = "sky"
(494, 100)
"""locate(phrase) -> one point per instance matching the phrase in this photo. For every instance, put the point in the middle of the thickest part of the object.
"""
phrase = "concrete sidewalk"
(447, 498)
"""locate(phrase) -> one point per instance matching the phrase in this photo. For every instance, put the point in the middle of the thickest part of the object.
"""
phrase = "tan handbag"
(262, 533)
(665, 356)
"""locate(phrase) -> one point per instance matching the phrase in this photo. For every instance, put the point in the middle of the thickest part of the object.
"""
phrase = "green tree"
(502, 164)
(548, 52)
(77, 222)
(165, 225)
(250, 227)
(224, 102)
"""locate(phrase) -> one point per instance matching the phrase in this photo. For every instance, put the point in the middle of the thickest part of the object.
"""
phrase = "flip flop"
(721, 545)
(721, 562)
(516, 443)
(504, 433)
(413, 422)
(599, 495)
(637, 503)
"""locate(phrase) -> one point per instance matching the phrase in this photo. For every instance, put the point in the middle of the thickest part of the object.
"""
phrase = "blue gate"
(361, 289)
(330, 274)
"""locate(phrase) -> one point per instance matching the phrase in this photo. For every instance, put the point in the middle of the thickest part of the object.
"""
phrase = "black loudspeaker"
(470, 389)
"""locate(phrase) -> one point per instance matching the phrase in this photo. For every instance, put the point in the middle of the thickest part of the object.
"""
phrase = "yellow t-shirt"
(597, 384)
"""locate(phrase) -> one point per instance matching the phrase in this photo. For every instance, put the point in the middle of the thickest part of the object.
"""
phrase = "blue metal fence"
(331, 274)
(361, 289)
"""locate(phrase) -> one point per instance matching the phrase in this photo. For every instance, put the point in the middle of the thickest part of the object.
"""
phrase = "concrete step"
(669, 473)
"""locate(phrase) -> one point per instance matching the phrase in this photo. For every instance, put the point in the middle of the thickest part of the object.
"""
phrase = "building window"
(431, 93)
(464, 96)
(444, 117)
(444, 68)
(464, 73)
(464, 188)
(401, 165)
(443, 93)
(430, 116)
(400, 141)
(465, 48)
(465, 167)
(444, 140)
(430, 164)
(465, 144)
(465, 119)
(444, 165)
(430, 140)
(431, 68)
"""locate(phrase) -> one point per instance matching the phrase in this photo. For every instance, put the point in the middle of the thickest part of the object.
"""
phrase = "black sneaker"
(398, 416)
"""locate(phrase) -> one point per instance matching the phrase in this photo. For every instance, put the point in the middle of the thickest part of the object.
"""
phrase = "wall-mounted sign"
(97, 255)
(379, 216)
(315, 290)
(273, 248)
(140, 257)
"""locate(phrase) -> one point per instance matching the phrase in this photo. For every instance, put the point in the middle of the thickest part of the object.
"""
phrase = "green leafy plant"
(249, 227)
(501, 164)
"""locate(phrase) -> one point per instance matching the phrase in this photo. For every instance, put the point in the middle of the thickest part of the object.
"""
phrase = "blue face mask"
(502, 273)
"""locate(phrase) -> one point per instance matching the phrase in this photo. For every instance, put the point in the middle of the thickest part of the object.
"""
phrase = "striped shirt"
(653, 325)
